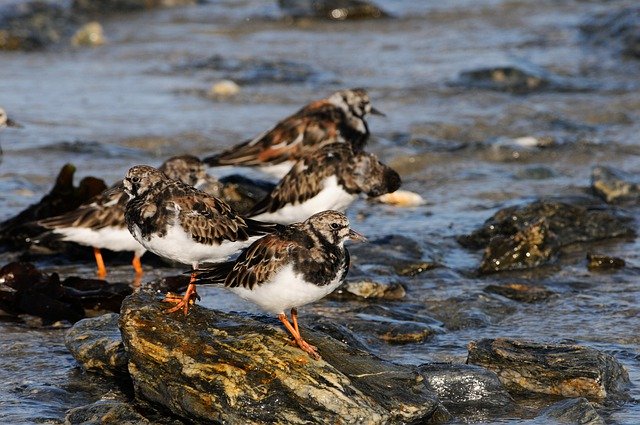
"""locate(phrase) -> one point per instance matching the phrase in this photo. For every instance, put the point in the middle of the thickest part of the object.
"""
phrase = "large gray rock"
(97, 345)
(212, 366)
(468, 390)
(555, 369)
(105, 412)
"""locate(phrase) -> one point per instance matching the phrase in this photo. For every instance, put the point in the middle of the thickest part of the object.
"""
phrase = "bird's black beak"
(12, 123)
(355, 236)
(375, 111)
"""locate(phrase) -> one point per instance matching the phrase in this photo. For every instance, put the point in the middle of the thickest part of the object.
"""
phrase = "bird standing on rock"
(297, 265)
(101, 223)
(181, 223)
(338, 118)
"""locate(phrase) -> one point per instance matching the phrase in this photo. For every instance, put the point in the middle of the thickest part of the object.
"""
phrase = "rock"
(615, 186)
(521, 79)
(415, 268)
(521, 292)
(467, 390)
(368, 289)
(475, 310)
(527, 236)
(247, 71)
(337, 10)
(571, 411)
(554, 369)
(618, 29)
(33, 25)
(401, 198)
(90, 34)
(604, 262)
(97, 345)
(26, 290)
(214, 366)
(63, 197)
(224, 88)
(100, 7)
(105, 412)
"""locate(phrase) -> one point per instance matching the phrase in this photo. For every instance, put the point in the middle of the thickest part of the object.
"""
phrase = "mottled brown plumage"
(338, 118)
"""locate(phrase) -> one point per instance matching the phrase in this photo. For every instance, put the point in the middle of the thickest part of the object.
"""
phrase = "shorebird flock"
(289, 247)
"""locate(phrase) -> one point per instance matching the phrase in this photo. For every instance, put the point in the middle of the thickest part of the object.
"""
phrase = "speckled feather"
(317, 258)
(318, 123)
(356, 172)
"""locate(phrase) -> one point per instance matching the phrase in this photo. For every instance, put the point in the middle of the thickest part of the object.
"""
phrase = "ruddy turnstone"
(338, 118)
(329, 178)
(181, 223)
(100, 224)
(295, 266)
(5, 121)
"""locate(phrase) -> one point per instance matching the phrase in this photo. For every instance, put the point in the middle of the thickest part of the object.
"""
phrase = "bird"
(298, 264)
(100, 223)
(181, 223)
(5, 121)
(337, 118)
(328, 179)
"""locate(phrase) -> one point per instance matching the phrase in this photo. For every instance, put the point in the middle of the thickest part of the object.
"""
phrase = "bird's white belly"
(286, 290)
(178, 246)
(331, 197)
(115, 239)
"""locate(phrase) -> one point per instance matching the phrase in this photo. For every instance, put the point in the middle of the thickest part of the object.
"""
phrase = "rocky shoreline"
(229, 367)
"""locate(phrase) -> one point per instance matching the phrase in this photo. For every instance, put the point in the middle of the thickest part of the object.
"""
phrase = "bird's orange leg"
(184, 302)
(102, 270)
(137, 265)
(304, 345)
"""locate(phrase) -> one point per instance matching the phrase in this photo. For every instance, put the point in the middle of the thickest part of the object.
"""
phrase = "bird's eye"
(135, 179)
(335, 226)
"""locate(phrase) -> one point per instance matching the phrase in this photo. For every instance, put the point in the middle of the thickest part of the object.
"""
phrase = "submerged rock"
(571, 411)
(26, 290)
(63, 197)
(521, 292)
(33, 25)
(618, 29)
(604, 262)
(368, 289)
(97, 345)
(516, 79)
(469, 311)
(468, 390)
(213, 366)
(94, 7)
(615, 186)
(527, 236)
(90, 34)
(336, 10)
(555, 369)
(106, 412)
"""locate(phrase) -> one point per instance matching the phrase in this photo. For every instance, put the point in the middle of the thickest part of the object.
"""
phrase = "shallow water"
(132, 101)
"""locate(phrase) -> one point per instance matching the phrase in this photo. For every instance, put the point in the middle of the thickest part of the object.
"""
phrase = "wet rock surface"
(571, 411)
(555, 369)
(516, 79)
(468, 390)
(615, 186)
(106, 412)
(33, 25)
(63, 197)
(604, 262)
(617, 29)
(521, 292)
(95, 7)
(26, 290)
(528, 236)
(97, 345)
(367, 289)
(476, 310)
(215, 366)
(336, 10)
